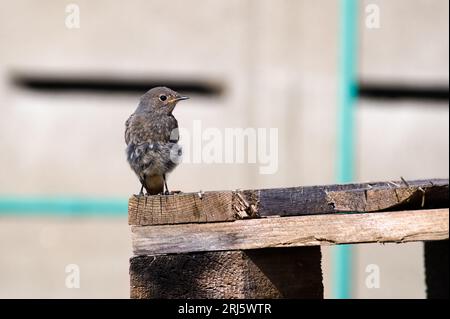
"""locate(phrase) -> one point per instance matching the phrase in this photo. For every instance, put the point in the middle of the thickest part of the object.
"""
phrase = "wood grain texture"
(403, 226)
(294, 201)
(180, 208)
(263, 273)
(389, 198)
(313, 200)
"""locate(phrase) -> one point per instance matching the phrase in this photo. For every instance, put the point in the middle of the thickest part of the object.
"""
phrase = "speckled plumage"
(151, 135)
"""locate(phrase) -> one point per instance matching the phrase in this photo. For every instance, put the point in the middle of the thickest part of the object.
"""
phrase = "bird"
(151, 136)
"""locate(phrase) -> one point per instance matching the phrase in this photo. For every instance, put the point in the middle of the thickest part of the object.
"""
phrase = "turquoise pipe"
(62, 206)
(342, 255)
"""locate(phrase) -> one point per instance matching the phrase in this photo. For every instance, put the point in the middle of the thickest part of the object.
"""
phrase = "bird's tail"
(154, 184)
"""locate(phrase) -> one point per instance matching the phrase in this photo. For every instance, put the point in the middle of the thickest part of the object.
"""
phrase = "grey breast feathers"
(153, 158)
(152, 147)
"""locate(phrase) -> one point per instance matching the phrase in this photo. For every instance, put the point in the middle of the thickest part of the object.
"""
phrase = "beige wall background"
(277, 64)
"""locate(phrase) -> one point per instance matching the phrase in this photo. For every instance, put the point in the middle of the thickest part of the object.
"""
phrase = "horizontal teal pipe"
(62, 206)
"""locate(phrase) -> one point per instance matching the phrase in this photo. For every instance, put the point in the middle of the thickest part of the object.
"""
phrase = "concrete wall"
(277, 64)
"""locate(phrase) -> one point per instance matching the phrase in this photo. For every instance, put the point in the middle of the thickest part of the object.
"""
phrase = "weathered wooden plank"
(326, 200)
(180, 208)
(395, 198)
(262, 273)
(403, 226)
(295, 201)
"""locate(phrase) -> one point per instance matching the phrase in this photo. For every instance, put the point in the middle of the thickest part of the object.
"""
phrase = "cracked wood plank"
(294, 201)
(389, 198)
(312, 230)
(330, 199)
(180, 208)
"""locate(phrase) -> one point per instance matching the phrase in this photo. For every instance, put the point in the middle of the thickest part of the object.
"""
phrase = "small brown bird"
(151, 135)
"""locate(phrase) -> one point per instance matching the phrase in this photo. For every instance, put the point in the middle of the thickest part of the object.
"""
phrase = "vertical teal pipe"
(342, 263)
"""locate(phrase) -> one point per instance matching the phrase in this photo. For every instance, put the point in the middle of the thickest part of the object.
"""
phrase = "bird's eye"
(163, 97)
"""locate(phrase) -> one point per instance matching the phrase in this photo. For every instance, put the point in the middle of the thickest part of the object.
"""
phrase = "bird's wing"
(173, 133)
(127, 129)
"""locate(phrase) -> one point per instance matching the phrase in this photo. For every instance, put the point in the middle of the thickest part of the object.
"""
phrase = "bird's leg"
(165, 185)
(141, 193)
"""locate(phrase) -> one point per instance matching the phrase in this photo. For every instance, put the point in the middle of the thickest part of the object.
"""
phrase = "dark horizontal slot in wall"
(115, 86)
(376, 91)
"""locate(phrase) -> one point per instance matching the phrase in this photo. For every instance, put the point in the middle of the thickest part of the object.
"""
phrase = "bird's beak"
(180, 98)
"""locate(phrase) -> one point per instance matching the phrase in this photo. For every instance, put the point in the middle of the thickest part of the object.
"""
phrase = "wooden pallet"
(266, 243)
